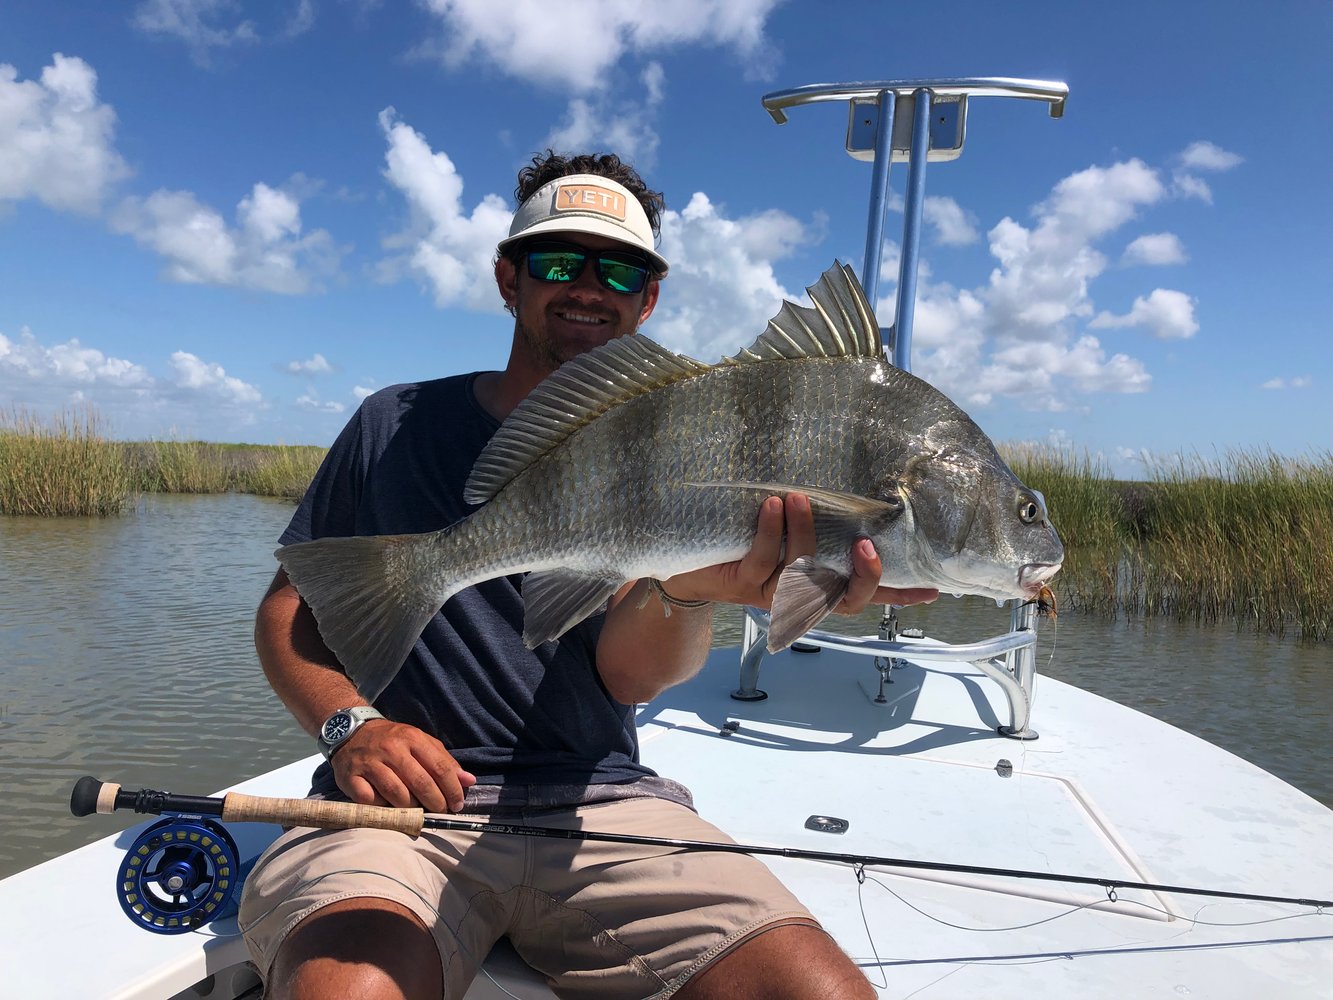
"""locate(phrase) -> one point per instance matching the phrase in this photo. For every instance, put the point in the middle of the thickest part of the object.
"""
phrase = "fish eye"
(1029, 511)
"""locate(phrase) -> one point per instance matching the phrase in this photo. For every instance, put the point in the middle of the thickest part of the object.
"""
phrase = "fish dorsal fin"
(571, 397)
(840, 325)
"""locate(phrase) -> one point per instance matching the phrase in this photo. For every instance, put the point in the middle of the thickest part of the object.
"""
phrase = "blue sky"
(229, 220)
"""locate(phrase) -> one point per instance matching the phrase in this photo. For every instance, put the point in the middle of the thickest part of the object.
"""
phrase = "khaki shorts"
(597, 919)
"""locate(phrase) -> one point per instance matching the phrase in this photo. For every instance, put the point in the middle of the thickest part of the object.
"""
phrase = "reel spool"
(178, 875)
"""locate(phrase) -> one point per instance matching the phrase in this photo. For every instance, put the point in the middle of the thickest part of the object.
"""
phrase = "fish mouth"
(1033, 576)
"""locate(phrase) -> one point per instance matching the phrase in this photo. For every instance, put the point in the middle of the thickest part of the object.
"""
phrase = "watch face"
(337, 727)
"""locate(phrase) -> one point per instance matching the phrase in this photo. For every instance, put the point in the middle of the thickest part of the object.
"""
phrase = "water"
(126, 653)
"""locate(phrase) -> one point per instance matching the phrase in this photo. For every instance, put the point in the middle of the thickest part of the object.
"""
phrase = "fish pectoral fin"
(554, 601)
(833, 502)
(806, 594)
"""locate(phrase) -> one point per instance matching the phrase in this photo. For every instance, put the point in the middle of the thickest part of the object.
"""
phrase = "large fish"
(631, 461)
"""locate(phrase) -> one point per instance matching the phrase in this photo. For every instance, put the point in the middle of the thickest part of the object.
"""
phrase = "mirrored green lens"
(620, 276)
(558, 263)
(555, 265)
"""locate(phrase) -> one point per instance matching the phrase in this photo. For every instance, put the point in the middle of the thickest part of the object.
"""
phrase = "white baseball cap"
(585, 203)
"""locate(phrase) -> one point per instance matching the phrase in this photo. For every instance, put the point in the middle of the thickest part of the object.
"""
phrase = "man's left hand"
(753, 579)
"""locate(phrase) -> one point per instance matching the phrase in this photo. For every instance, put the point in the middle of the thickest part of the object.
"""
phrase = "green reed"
(275, 470)
(64, 467)
(174, 466)
(67, 466)
(1247, 538)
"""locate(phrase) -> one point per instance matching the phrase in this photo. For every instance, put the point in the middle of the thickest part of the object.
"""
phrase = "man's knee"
(361, 947)
(793, 960)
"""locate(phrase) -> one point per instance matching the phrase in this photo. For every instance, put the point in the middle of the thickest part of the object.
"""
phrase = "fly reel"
(178, 875)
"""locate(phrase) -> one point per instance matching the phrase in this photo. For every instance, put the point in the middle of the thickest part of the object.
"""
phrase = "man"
(476, 723)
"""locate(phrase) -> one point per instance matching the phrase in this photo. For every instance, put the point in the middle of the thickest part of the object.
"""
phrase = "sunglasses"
(561, 263)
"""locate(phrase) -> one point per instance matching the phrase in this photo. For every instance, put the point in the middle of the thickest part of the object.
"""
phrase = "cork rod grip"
(238, 808)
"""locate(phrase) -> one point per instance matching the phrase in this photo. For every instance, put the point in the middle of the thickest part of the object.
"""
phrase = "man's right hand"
(394, 764)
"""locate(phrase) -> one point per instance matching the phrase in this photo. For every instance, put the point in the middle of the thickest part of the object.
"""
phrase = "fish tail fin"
(370, 596)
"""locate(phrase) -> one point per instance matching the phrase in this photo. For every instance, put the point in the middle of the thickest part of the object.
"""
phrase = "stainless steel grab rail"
(1053, 92)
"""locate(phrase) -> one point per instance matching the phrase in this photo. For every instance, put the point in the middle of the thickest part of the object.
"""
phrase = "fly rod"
(93, 796)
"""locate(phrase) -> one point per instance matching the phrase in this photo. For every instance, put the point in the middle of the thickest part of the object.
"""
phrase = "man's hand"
(753, 578)
(394, 764)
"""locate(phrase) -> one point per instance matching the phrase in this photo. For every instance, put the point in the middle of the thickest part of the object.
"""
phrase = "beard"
(548, 352)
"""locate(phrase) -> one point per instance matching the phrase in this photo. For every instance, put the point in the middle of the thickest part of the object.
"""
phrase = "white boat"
(988, 848)
(924, 775)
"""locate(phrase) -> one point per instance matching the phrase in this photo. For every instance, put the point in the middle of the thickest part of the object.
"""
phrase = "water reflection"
(126, 653)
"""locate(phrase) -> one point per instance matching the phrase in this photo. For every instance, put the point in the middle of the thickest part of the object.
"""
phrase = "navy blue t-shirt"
(506, 713)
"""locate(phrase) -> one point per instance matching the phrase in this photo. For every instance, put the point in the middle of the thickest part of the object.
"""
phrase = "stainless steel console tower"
(912, 121)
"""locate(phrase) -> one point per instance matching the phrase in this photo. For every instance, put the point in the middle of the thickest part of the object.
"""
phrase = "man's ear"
(649, 300)
(506, 280)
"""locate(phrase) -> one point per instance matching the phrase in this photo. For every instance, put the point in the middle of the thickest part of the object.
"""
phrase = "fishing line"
(986, 930)
(860, 872)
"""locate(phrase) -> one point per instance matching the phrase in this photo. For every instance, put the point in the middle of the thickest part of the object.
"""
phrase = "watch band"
(339, 727)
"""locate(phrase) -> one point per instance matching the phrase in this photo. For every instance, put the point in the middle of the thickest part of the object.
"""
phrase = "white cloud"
(195, 22)
(576, 46)
(1024, 335)
(45, 378)
(56, 138)
(264, 251)
(64, 365)
(721, 289)
(1167, 314)
(310, 401)
(1044, 272)
(192, 373)
(1198, 156)
(315, 365)
(207, 25)
(1203, 155)
(606, 121)
(1155, 249)
(1298, 382)
(653, 78)
(953, 226)
(1189, 186)
(453, 251)
(591, 124)
(361, 391)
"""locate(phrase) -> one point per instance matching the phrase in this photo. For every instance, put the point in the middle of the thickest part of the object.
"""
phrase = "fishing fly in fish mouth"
(629, 461)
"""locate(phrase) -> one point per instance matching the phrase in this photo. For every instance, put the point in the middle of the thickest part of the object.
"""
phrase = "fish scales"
(631, 461)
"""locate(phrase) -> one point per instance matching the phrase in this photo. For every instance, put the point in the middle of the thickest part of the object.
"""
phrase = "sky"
(231, 220)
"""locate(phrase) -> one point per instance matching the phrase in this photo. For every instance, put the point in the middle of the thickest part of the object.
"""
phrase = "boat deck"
(1103, 792)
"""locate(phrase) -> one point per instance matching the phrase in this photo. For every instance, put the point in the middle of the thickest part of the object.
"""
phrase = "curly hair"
(547, 167)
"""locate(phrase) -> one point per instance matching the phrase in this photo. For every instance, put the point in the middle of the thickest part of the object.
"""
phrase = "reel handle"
(322, 813)
(93, 796)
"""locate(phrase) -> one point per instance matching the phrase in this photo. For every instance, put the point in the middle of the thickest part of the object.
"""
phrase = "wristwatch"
(342, 724)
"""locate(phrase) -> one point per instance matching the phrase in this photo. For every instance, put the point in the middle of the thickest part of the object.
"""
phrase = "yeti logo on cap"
(590, 198)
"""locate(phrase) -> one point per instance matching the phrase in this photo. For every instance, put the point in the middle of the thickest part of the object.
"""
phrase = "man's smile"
(571, 316)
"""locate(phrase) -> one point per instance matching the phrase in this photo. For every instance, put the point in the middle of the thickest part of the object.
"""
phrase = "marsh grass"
(174, 466)
(275, 471)
(1247, 537)
(68, 466)
(63, 468)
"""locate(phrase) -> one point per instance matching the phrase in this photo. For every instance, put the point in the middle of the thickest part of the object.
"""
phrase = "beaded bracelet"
(669, 602)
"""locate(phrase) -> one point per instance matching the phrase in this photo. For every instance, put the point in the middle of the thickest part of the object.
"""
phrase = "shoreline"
(1247, 537)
